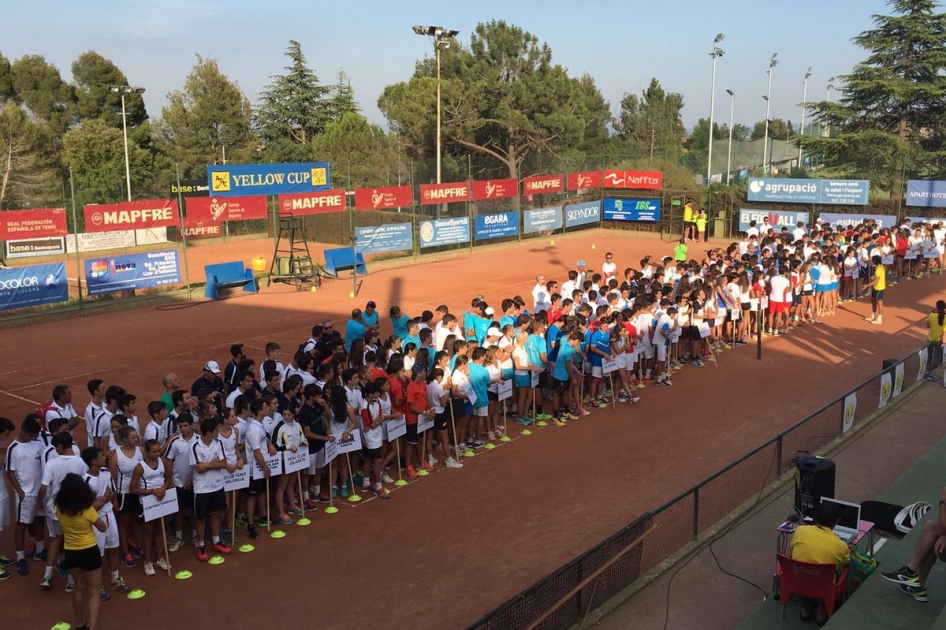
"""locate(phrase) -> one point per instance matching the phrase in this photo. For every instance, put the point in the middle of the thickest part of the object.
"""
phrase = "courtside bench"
(227, 276)
(344, 259)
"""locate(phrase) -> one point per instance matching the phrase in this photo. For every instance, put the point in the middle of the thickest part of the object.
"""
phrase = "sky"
(622, 44)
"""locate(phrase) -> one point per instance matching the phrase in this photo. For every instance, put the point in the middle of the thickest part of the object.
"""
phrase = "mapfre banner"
(538, 184)
(386, 198)
(208, 210)
(302, 204)
(130, 215)
(20, 224)
(495, 189)
(444, 193)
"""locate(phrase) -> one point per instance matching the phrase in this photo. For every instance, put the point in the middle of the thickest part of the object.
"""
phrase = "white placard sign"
(273, 461)
(424, 423)
(467, 390)
(504, 389)
(922, 371)
(155, 508)
(886, 260)
(351, 445)
(237, 480)
(296, 461)
(735, 314)
(897, 380)
(393, 429)
(535, 380)
(704, 329)
(885, 389)
(608, 365)
(850, 406)
(910, 255)
(327, 454)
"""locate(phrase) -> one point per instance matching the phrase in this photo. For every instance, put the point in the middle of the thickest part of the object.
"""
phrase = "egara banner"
(312, 203)
(495, 189)
(21, 224)
(585, 180)
(130, 215)
(33, 286)
(538, 184)
(636, 180)
(210, 210)
(237, 180)
(497, 225)
(444, 193)
(385, 198)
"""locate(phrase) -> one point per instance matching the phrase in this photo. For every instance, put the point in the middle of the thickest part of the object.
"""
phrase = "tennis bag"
(891, 520)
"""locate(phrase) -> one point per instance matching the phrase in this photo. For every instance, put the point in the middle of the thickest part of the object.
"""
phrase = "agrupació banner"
(847, 192)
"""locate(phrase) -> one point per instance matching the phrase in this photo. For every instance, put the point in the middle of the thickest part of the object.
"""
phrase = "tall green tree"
(891, 118)
(292, 109)
(779, 129)
(27, 179)
(341, 98)
(207, 121)
(39, 87)
(361, 153)
(91, 75)
(650, 124)
(503, 97)
(95, 150)
(6, 79)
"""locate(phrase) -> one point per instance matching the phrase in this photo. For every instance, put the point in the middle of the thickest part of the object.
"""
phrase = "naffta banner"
(240, 180)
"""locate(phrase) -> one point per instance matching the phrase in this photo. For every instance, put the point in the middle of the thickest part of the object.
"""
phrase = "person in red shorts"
(780, 300)
(416, 405)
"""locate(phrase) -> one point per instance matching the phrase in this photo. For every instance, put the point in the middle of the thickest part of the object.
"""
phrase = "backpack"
(41, 411)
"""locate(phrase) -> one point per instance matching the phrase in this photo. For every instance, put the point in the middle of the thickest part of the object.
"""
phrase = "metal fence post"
(696, 512)
(778, 455)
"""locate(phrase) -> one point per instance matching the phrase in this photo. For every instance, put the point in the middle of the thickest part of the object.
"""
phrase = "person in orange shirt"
(818, 544)
(416, 405)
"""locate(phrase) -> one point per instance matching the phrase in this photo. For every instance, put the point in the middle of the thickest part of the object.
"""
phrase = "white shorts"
(53, 528)
(319, 461)
(4, 510)
(314, 462)
(25, 509)
(109, 538)
(597, 372)
(621, 361)
(648, 351)
(661, 352)
(587, 367)
(480, 412)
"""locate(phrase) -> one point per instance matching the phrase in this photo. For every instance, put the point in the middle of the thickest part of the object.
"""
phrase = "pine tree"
(890, 121)
(342, 99)
(293, 108)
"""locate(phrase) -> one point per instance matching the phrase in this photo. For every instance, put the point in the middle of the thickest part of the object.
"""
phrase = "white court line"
(35, 402)
(877, 545)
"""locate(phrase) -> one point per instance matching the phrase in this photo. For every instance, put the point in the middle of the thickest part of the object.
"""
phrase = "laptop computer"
(846, 529)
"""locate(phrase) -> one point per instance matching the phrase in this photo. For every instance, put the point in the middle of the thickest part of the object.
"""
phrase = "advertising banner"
(302, 204)
(926, 193)
(496, 225)
(631, 209)
(495, 189)
(210, 210)
(190, 188)
(97, 241)
(542, 220)
(239, 180)
(846, 192)
(444, 193)
(538, 184)
(33, 286)
(444, 232)
(130, 215)
(778, 220)
(383, 198)
(25, 248)
(850, 220)
(585, 180)
(133, 271)
(391, 237)
(22, 224)
(647, 180)
(582, 213)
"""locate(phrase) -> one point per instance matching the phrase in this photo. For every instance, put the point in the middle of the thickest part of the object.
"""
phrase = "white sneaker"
(452, 463)
(162, 564)
(149, 568)
(386, 478)
(175, 545)
(432, 460)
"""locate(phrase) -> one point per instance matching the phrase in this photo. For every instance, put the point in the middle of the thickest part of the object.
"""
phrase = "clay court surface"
(450, 547)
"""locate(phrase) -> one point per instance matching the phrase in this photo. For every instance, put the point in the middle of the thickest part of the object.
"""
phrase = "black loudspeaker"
(814, 478)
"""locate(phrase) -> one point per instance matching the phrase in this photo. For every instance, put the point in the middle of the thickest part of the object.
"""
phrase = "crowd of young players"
(591, 341)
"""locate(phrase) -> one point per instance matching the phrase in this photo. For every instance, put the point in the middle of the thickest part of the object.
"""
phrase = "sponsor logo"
(614, 180)
(20, 283)
(376, 198)
(51, 281)
(221, 182)
(582, 213)
(495, 219)
(314, 202)
(451, 192)
(427, 231)
(124, 217)
(759, 185)
(98, 268)
(583, 181)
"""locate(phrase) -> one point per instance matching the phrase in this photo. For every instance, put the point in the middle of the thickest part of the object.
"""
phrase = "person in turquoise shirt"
(565, 366)
(354, 329)
(412, 334)
(479, 381)
(536, 348)
(399, 322)
(370, 315)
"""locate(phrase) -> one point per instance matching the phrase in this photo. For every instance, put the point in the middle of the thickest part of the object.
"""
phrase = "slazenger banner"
(312, 203)
(495, 189)
(237, 180)
(634, 179)
(209, 210)
(496, 225)
(538, 184)
(383, 198)
(926, 193)
(32, 286)
(844, 192)
(130, 215)
(444, 193)
(850, 220)
(20, 224)
(585, 180)
(582, 213)
(778, 220)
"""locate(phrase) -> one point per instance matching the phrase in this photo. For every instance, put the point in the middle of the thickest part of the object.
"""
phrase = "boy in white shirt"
(105, 504)
(24, 468)
(182, 473)
(55, 471)
(208, 459)
(288, 437)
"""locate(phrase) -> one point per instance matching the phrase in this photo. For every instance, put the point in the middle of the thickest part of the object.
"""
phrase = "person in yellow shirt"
(877, 287)
(689, 227)
(818, 544)
(77, 517)
(935, 323)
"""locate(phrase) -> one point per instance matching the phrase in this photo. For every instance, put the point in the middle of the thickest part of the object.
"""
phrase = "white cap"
(490, 310)
(494, 332)
(211, 366)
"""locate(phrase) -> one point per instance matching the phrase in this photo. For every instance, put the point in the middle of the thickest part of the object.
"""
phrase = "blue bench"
(228, 275)
(343, 259)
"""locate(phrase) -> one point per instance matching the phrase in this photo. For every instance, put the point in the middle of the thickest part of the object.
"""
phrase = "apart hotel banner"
(922, 193)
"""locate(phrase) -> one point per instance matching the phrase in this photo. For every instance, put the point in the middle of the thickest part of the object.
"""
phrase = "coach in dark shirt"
(209, 380)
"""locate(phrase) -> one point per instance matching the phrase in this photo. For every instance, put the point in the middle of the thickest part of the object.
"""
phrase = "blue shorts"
(523, 381)
(507, 373)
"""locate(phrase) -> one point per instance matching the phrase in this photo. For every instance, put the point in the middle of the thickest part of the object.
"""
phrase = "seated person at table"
(818, 544)
(930, 544)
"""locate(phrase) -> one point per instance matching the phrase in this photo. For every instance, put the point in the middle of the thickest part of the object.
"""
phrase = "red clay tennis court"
(450, 547)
